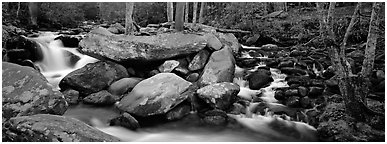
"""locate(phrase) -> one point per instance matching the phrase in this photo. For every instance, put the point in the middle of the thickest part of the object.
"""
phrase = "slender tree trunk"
(18, 10)
(285, 6)
(368, 62)
(195, 9)
(170, 11)
(320, 12)
(351, 24)
(179, 18)
(34, 11)
(128, 18)
(265, 11)
(202, 11)
(186, 12)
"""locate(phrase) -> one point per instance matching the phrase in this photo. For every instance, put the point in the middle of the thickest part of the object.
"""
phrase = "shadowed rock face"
(52, 128)
(155, 95)
(25, 91)
(128, 48)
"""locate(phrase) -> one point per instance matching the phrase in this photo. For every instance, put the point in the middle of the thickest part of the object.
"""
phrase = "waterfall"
(56, 64)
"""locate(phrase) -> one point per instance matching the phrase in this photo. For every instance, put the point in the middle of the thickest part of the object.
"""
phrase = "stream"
(56, 64)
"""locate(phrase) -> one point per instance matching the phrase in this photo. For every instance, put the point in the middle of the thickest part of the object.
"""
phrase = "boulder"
(293, 71)
(101, 98)
(123, 85)
(155, 95)
(178, 112)
(259, 79)
(230, 40)
(25, 91)
(116, 28)
(219, 95)
(132, 49)
(168, 66)
(71, 96)
(215, 117)
(52, 128)
(193, 77)
(302, 91)
(213, 42)
(93, 77)
(125, 120)
(220, 68)
(199, 61)
(69, 40)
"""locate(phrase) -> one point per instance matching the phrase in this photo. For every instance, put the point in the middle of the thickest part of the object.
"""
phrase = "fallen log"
(232, 31)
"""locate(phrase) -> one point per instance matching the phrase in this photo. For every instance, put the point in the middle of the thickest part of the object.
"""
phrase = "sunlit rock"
(220, 95)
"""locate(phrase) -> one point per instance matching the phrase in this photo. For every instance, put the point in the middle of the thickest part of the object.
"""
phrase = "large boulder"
(93, 77)
(230, 40)
(131, 49)
(155, 95)
(52, 128)
(220, 95)
(220, 68)
(25, 91)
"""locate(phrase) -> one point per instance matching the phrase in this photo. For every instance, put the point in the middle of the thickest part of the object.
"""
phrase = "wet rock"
(316, 83)
(69, 40)
(247, 62)
(52, 128)
(178, 112)
(293, 102)
(230, 40)
(279, 95)
(213, 42)
(123, 85)
(252, 40)
(132, 49)
(20, 48)
(220, 68)
(193, 77)
(301, 80)
(93, 77)
(329, 72)
(101, 98)
(269, 47)
(259, 79)
(314, 92)
(199, 61)
(291, 92)
(296, 53)
(292, 71)
(286, 64)
(168, 66)
(153, 73)
(155, 95)
(125, 120)
(71, 96)
(219, 95)
(25, 91)
(332, 86)
(237, 109)
(116, 28)
(215, 117)
(302, 91)
(335, 131)
(305, 102)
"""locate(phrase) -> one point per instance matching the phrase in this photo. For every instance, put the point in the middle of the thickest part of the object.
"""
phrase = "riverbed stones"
(125, 120)
(230, 40)
(25, 91)
(220, 68)
(259, 78)
(130, 49)
(215, 117)
(155, 95)
(219, 95)
(101, 98)
(213, 42)
(93, 77)
(168, 66)
(116, 28)
(52, 128)
(71, 96)
(123, 85)
(199, 60)
(178, 112)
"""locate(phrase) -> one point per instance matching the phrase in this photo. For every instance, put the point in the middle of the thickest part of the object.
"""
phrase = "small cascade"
(56, 62)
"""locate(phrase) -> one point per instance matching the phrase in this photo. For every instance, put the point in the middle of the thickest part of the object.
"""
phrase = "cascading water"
(55, 63)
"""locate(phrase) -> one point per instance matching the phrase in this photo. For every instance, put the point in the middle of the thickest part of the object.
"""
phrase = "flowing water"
(55, 65)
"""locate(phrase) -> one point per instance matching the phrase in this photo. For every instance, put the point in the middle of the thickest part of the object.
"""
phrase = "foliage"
(61, 14)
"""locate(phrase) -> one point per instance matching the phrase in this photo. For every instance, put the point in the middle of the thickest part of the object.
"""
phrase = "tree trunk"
(186, 12)
(320, 12)
(34, 11)
(202, 11)
(170, 11)
(179, 18)
(129, 29)
(18, 10)
(368, 62)
(285, 6)
(195, 9)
